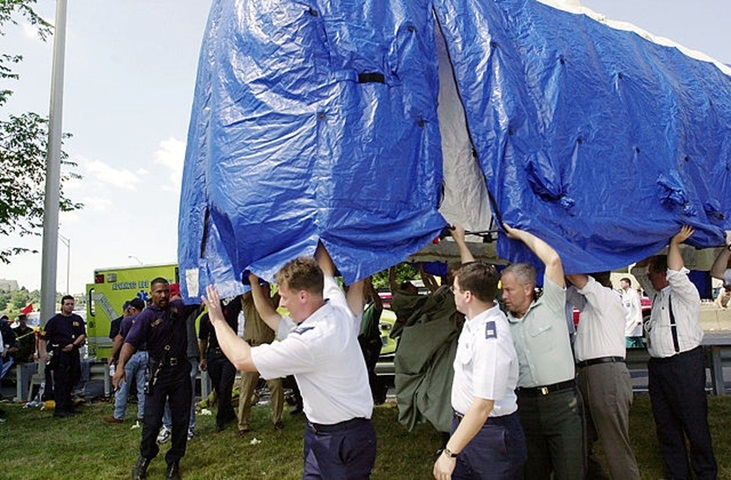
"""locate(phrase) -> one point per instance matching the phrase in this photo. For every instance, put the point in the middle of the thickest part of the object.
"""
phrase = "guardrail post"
(716, 367)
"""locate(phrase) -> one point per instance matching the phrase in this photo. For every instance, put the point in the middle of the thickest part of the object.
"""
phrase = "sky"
(129, 79)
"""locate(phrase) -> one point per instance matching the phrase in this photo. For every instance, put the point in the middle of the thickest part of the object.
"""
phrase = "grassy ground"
(33, 445)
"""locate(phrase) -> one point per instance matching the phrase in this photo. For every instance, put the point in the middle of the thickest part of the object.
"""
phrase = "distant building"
(9, 285)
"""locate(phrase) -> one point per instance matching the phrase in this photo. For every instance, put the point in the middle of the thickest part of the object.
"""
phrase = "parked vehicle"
(105, 298)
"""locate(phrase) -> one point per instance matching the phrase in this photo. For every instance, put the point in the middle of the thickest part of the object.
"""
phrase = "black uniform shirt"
(61, 330)
(159, 328)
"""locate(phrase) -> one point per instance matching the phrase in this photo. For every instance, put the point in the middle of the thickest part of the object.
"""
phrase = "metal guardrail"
(716, 347)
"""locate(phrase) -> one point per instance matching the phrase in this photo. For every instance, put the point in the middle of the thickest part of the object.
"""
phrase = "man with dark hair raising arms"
(486, 437)
(319, 345)
(677, 375)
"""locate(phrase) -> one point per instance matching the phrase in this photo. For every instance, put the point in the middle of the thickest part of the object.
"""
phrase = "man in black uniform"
(62, 337)
(162, 326)
(220, 368)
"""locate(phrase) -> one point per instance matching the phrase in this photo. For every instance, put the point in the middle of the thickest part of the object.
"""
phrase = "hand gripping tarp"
(318, 121)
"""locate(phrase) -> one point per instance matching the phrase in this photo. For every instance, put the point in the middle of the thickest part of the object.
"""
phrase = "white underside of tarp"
(465, 201)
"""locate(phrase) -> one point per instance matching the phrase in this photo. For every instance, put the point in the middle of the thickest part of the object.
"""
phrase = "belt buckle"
(174, 362)
(544, 390)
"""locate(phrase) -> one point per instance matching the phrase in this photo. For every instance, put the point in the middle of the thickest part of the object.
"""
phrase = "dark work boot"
(139, 472)
(173, 472)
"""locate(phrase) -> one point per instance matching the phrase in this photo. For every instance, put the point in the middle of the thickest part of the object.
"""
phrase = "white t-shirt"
(325, 358)
(486, 364)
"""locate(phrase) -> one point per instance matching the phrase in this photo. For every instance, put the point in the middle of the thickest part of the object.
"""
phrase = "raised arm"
(263, 303)
(371, 291)
(354, 295)
(458, 234)
(721, 263)
(675, 259)
(236, 349)
(392, 279)
(546, 253)
(429, 282)
(579, 280)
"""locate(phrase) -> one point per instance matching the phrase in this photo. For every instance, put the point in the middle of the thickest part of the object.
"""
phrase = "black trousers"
(677, 388)
(66, 367)
(223, 374)
(173, 384)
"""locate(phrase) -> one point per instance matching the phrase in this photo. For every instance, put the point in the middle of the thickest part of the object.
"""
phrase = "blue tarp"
(318, 121)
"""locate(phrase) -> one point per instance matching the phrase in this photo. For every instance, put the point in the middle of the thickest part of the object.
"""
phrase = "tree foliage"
(24, 146)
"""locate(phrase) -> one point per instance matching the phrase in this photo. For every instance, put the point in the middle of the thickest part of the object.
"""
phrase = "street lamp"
(135, 258)
(67, 241)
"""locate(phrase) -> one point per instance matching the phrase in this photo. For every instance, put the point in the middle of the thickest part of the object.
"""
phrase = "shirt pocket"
(539, 327)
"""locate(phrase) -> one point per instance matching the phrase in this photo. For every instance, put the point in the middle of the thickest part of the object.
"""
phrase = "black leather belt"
(336, 427)
(545, 390)
(596, 361)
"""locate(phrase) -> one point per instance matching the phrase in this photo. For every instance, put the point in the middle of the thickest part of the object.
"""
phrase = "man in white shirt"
(319, 345)
(721, 270)
(677, 375)
(633, 313)
(603, 378)
(486, 439)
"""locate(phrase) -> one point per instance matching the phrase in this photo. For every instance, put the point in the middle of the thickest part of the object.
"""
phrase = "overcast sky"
(130, 73)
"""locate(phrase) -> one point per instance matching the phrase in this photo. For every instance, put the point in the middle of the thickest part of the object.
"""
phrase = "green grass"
(34, 445)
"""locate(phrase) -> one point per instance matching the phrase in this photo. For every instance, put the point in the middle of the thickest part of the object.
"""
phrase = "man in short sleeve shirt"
(62, 337)
(319, 345)
(162, 328)
(486, 439)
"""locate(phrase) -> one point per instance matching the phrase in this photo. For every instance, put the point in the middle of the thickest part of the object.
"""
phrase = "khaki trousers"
(247, 385)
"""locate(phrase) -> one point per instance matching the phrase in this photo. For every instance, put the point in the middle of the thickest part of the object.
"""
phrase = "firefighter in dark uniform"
(62, 337)
(162, 326)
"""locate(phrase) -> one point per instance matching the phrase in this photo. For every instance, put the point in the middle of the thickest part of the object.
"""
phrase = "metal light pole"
(67, 241)
(135, 258)
(53, 170)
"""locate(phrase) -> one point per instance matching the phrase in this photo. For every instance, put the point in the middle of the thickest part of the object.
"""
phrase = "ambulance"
(105, 299)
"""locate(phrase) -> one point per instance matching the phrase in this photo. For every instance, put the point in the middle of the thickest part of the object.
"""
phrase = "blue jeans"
(167, 420)
(134, 371)
(5, 364)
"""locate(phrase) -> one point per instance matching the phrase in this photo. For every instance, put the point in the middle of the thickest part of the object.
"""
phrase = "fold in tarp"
(321, 121)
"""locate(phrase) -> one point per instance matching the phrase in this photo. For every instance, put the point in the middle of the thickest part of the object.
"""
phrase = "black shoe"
(173, 472)
(279, 425)
(139, 472)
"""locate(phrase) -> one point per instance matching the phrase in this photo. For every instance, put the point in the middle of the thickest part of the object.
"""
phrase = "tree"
(23, 147)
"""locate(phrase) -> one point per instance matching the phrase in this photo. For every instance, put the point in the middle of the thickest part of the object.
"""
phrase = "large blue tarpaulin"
(318, 121)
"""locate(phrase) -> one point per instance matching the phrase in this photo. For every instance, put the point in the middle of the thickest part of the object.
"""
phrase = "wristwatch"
(449, 453)
(728, 247)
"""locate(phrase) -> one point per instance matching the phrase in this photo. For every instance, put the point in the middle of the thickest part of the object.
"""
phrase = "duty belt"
(170, 361)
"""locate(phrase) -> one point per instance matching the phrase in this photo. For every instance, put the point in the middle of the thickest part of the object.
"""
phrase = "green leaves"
(23, 147)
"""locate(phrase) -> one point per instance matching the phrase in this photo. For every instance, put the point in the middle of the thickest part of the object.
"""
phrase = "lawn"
(34, 445)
